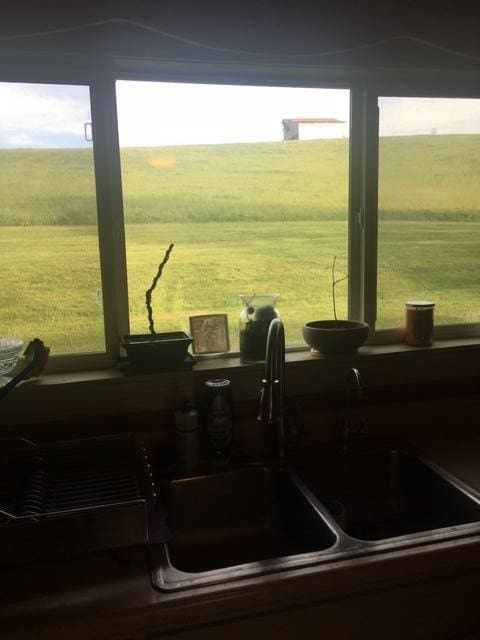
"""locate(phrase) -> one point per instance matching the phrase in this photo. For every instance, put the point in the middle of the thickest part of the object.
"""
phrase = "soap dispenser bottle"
(187, 428)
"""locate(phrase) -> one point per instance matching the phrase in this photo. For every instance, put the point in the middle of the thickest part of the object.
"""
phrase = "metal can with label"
(419, 323)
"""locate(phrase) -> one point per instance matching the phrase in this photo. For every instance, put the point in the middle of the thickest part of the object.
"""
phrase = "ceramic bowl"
(335, 336)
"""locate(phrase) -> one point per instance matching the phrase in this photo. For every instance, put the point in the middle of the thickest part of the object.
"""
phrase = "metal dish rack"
(74, 496)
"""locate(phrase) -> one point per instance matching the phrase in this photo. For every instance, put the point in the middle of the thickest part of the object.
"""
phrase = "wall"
(265, 27)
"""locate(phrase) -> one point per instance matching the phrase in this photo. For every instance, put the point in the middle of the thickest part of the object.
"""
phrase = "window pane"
(429, 208)
(48, 237)
(250, 183)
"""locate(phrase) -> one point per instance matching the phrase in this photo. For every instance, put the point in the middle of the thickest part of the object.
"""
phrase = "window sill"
(295, 354)
(83, 394)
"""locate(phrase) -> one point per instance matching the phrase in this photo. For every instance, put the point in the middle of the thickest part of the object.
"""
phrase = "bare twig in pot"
(334, 282)
(148, 293)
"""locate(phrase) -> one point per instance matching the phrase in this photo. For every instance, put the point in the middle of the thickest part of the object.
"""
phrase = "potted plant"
(335, 336)
(149, 351)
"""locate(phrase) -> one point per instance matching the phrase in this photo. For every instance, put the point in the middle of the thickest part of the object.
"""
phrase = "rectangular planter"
(147, 352)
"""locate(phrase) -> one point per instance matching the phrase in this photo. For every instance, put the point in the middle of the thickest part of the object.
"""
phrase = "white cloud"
(29, 112)
(17, 139)
(420, 116)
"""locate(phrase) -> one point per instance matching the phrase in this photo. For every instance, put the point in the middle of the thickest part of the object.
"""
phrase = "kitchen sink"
(259, 519)
(249, 515)
(389, 493)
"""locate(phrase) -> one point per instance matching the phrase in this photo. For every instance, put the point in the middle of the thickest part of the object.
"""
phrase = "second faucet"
(272, 399)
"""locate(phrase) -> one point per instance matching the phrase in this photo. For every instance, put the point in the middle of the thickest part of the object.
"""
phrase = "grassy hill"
(420, 176)
(283, 208)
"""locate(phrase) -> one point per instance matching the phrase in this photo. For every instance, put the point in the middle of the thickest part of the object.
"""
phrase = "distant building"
(313, 128)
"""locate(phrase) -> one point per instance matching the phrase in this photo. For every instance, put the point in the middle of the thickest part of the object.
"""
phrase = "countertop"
(110, 595)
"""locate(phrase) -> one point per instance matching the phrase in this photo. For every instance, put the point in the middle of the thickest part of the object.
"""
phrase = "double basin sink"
(262, 519)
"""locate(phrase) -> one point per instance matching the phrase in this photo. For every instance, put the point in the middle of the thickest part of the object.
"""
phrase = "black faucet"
(347, 431)
(272, 398)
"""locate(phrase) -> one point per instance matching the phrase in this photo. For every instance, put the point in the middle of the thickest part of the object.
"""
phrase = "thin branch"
(334, 282)
(148, 293)
(251, 300)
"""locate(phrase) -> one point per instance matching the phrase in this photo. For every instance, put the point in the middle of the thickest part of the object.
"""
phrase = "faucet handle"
(294, 418)
(269, 400)
(262, 412)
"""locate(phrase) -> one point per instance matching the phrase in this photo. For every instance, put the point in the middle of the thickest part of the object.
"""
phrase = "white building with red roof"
(313, 128)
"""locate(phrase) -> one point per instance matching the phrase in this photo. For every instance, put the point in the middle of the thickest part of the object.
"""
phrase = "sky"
(41, 115)
(417, 116)
(172, 113)
(156, 114)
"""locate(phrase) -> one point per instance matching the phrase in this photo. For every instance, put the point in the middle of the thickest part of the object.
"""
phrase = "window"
(258, 186)
(51, 283)
(249, 182)
(429, 208)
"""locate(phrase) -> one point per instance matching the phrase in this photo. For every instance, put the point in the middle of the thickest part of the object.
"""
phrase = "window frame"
(110, 228)
(446, 331)
(365, 86)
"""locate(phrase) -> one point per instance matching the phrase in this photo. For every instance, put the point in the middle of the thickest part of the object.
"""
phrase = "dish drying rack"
(74, 496)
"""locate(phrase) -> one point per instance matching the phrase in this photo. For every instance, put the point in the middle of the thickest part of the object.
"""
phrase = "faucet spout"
(272, 399)
(353, 379)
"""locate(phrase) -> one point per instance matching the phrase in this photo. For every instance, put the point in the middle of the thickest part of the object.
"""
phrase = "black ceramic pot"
(335, 336)
(159, 351)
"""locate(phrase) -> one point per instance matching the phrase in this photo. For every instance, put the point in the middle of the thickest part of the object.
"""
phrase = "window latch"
(87, 130)
(361, 218)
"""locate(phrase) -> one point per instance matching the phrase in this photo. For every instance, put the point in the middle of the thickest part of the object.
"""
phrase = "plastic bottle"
(187, 426)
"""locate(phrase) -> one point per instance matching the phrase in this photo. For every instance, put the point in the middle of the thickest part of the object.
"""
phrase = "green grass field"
(266, 217)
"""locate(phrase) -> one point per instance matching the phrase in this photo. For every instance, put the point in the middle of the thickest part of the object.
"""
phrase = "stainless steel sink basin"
(256, 520)
(390, 493)
(252, 515)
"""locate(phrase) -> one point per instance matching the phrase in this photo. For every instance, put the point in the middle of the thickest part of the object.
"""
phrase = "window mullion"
(370, 205)
(355, 206)
(111, 229)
